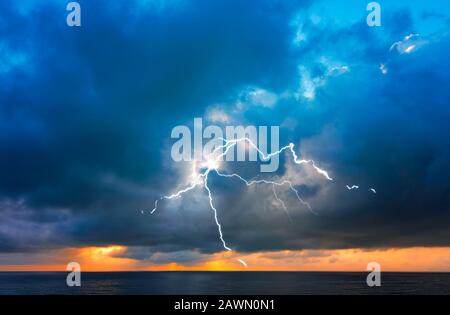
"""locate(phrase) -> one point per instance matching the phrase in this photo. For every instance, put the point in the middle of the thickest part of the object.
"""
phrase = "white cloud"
(217, 114)
(409, 44)
(261, 97)
(309, 84)
(410, 48)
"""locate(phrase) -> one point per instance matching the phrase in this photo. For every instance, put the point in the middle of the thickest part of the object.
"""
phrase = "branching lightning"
(212, 164)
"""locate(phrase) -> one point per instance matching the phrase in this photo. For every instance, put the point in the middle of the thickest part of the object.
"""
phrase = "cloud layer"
(86, 116)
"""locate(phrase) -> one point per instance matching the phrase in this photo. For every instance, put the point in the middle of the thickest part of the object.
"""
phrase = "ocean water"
(258, 283)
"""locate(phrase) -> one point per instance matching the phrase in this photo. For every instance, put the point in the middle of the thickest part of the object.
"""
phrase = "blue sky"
(86, 115)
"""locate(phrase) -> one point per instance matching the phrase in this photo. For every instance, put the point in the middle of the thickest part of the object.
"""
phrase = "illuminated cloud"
(262, 97)
(409, 44)
(309, 84)
(115, 258)
(217, 114)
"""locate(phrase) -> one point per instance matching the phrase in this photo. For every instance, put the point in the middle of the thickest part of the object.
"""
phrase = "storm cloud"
(86, 115)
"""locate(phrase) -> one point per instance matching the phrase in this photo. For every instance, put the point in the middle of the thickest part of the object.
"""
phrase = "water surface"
(271, 283)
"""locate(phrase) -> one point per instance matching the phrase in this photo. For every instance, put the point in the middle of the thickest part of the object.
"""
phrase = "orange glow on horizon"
(109, 258)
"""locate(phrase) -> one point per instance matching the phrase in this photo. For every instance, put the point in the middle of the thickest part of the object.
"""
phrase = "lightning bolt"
(357, 187)
(215, 215)
(212, 164)
(281, 202)
(243, 262)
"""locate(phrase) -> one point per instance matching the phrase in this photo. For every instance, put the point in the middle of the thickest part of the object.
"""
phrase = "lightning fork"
(212, 165)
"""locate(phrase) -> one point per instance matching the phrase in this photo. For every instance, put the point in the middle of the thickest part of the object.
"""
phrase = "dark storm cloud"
(388, 132)
(148, 254)
(88, 110)
(86, 114)
(100, 99)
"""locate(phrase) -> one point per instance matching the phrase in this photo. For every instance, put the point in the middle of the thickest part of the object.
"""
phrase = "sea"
(223, 283)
